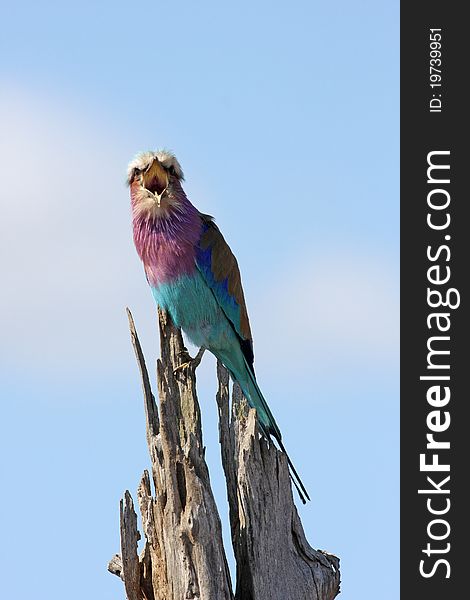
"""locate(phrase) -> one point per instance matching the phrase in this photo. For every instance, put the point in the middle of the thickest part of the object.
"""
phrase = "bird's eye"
(172, 170)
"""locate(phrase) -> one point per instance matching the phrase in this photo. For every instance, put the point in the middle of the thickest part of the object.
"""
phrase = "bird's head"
(154, 180)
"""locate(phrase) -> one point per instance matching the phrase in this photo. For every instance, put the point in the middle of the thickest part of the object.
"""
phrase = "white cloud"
(331, 310)
(66, 256)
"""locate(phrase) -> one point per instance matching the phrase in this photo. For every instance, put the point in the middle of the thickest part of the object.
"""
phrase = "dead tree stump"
(183, 555)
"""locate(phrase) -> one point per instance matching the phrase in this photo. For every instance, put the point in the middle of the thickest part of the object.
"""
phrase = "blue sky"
(285, 119)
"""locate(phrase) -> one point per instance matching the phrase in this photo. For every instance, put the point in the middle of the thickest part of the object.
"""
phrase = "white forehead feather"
(142, 160)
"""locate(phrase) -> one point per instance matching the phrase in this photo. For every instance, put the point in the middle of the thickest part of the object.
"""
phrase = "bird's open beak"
(155, 179)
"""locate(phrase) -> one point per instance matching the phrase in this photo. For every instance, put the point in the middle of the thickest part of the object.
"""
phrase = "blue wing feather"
(218, 266)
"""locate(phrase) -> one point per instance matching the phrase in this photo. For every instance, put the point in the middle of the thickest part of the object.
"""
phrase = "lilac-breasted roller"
(194, 276)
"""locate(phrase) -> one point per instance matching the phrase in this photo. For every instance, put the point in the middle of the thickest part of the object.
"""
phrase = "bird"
(194, 276)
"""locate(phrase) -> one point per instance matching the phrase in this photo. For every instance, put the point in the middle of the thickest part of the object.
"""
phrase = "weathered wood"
(183, 555)
(115, 566)
(129, 539)
(274, 559)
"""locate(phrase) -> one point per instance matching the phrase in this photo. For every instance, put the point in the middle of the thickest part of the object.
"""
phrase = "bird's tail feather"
(299, 486)
(269, 426)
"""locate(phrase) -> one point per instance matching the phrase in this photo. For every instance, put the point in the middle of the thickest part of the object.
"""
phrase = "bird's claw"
(183, 366)
(189, 361)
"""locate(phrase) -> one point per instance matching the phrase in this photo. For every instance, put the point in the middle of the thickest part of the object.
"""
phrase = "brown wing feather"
(225, 266)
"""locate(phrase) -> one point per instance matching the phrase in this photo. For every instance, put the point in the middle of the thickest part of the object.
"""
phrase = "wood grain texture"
(129, 539)
(183, 555)
(274, 559)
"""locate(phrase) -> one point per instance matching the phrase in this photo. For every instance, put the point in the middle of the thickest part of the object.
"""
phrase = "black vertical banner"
(435, 257)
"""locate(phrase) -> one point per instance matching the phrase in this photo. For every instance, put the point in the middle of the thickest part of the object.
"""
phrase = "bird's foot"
(189, 361)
